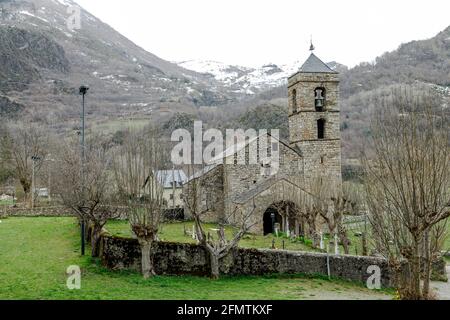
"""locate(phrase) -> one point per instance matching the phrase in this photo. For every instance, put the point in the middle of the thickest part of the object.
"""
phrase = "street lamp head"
(84, 90)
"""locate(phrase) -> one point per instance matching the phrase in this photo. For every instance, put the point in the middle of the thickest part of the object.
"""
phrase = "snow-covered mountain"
(245, 79)
(43, 62)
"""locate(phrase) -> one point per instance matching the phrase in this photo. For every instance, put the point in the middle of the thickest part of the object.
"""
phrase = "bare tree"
(293, 202)
(141, 191)
(407, 185)
(28, 142)
(217, 246)
(345, 201)
(87, 187)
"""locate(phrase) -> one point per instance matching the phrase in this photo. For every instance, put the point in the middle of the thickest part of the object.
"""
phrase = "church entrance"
(271, 216)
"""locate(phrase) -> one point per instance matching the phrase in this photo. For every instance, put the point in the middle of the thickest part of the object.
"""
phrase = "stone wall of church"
(323, 160)
(210, 196)
(305, 84)
(322, 157)
(239, 179)
(303, 125)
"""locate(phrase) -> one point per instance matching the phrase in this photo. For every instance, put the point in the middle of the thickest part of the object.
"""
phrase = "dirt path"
(442, 288)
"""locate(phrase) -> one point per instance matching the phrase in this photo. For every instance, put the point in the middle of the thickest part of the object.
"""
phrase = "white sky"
(254, 32)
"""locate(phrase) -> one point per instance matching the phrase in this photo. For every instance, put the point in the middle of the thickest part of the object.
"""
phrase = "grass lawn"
(174, 232)
(35, 253)
(6, 202)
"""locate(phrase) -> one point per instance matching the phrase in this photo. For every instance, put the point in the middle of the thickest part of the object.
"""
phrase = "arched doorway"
(271, 216)
(284, 213)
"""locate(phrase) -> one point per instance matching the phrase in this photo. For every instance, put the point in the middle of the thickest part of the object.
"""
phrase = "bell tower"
(314, 118)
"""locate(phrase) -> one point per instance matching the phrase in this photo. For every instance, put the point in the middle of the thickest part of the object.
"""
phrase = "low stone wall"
(178, 258)
(59, 211)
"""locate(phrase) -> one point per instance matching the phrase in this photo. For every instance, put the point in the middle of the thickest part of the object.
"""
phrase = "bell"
(319, 103)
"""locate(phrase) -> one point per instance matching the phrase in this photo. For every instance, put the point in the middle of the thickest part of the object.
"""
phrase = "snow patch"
(32, 15)
(245, 79)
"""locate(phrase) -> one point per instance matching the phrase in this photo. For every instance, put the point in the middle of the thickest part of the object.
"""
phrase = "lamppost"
(49, 188)
(83, 92)
(33, 187)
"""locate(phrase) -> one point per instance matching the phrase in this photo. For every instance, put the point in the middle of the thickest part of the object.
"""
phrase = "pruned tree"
(141, 190)
(217, 246)
(86, 186)
(407, 185)
(293, 201)
(321, 206)
(28, 142)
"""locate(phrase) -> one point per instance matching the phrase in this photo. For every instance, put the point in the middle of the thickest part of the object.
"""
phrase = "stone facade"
(322, 157)
(314, 151)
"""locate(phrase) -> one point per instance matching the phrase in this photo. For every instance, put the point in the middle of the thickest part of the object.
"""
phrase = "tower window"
(321, 129)
(319, 99)
(294, 101)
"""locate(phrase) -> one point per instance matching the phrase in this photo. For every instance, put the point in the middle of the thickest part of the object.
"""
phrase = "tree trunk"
(26, 185)
(147, 258)
(427, 266)
(214, 261)
(364, 244)
(95, 240)
(345, 244)
(416, 271)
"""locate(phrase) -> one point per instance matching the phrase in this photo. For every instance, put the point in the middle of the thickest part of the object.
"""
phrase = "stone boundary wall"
(54, 211)
(7, 211)
(180, 258)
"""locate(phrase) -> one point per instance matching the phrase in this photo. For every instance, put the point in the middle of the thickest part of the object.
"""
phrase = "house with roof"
(172, 181)
(313, 151)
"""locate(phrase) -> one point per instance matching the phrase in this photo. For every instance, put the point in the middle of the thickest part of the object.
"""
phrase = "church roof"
(315, 65)
(260, 187)
(169, 177)
(238, 147)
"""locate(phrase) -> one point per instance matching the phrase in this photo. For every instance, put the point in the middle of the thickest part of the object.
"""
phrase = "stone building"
(172, 181)
(313, 152)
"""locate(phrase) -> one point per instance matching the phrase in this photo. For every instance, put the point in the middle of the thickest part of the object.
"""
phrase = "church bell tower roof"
(315, 65)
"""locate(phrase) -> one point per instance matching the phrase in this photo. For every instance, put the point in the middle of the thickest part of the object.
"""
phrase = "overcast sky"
(254, 32)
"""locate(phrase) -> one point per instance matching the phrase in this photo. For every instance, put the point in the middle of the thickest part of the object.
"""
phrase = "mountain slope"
(249, 80)
(425, 60)
(44, 62)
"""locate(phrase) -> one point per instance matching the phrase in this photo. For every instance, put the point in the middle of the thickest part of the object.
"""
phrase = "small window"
(321, 129)
(319, 99)
(294, 101)
(275, 146)
(322, 159)
(171, 196)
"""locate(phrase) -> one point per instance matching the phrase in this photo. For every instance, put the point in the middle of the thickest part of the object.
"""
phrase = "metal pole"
(32, 183)
(173, 186)
(83, 223)
(49, 182)
(328, 262)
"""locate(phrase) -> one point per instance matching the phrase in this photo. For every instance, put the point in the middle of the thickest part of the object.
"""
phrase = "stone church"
(313, 150)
